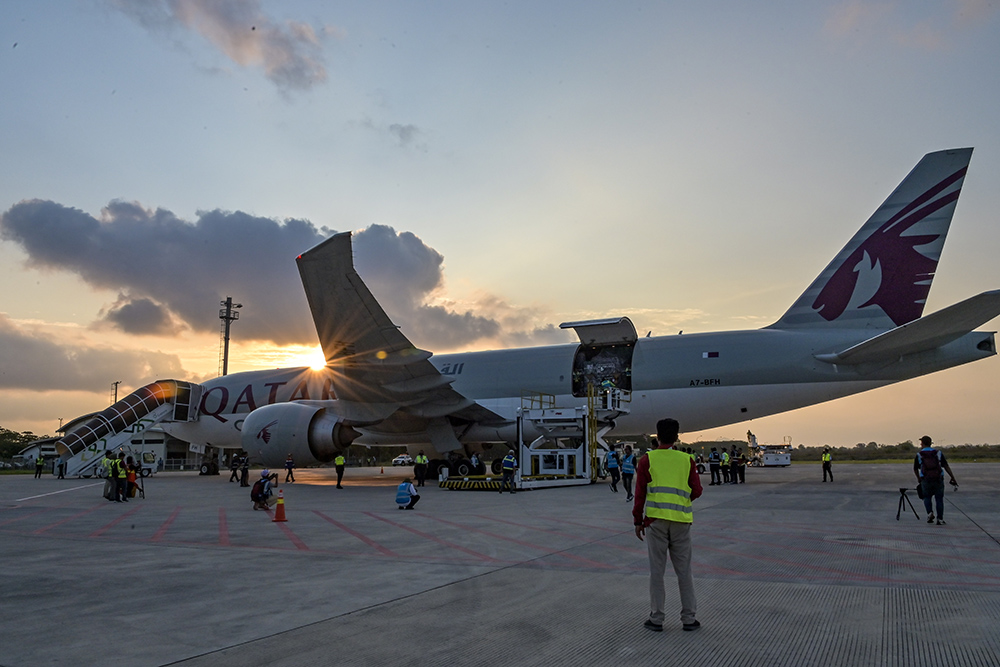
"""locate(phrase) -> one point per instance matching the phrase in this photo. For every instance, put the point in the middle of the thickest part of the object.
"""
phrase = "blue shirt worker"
(714, 463)
(928, 466)
(628, 472)
(289, 469)
(666, 483)
(406, 495)
(509, 467)
(611, 463)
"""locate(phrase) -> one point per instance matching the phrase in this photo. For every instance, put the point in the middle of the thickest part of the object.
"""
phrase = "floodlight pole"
(228, 315)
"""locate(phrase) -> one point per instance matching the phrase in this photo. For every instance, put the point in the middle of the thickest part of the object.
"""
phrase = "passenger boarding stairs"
(571, 445)
(113, 429)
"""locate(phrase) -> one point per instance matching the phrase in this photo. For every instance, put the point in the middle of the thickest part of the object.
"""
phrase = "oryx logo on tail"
(895, 253)
(880, 280)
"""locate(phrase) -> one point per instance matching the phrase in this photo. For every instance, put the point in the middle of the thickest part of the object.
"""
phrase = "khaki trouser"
(671, 538)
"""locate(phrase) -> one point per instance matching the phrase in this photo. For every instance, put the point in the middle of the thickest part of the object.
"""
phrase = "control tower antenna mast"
(228, 315)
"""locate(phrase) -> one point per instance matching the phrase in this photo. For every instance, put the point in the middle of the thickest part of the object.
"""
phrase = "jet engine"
(310, 433)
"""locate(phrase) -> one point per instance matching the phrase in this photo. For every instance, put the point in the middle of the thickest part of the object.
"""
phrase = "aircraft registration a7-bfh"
(858, 326)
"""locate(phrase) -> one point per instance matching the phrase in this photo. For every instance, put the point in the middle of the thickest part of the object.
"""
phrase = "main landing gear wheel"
(496, 466)
(462, 468)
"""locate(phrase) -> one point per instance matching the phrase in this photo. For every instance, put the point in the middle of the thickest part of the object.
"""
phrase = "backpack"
(257, 491)
(930, 464)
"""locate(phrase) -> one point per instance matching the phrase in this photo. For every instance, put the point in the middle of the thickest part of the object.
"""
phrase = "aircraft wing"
(381, 371)
(926, 333)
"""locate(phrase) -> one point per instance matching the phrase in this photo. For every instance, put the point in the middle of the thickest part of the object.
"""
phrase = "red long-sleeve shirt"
(642, 478)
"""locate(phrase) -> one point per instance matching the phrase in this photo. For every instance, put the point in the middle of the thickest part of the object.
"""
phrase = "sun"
(300, 355)
(315, 359)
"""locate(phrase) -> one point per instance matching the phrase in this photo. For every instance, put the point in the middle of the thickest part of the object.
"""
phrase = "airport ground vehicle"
(402, 460)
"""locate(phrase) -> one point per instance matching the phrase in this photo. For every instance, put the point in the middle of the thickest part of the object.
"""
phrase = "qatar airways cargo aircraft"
(858, 326)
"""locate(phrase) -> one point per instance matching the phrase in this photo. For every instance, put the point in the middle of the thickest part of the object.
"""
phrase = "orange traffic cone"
(382, 471)
(279, 510)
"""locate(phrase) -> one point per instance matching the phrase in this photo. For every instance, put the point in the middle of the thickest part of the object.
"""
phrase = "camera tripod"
(903, 498)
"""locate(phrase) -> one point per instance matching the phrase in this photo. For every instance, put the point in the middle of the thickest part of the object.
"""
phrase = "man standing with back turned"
(928, 466)
(665, 484)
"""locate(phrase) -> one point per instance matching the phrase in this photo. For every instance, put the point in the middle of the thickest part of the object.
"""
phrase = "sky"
(505, 168)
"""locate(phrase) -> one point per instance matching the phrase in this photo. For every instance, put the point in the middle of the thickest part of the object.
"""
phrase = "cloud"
(171, 274)
(34, 361)
(139, 316)
(290, 55)
(939, 26)
(404, 136)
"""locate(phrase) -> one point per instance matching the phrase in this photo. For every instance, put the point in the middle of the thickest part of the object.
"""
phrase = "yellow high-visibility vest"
(421, 459)
(826, 457)
(668, 494)
(339, 461)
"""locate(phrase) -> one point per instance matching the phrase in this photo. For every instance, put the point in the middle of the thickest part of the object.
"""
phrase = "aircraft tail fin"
(881, 278)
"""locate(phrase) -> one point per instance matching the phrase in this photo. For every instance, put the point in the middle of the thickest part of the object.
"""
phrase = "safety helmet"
(265, 472)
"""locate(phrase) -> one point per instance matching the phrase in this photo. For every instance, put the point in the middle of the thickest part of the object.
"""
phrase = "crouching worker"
(406, 495)
(261, 491)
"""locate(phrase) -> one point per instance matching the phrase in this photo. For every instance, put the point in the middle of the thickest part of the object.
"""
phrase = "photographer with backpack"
(260, 492)
(927, 466)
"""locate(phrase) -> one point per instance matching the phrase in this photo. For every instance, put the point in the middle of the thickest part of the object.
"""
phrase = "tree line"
(871, 451)
(11, 442)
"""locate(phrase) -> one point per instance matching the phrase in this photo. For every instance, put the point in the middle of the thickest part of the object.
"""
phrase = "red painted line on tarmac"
(547, 550)
(296, 540)
(370, 542)
(27, 516)
(100, 531)
(223, 528)
(434, 538)
(66, 520)
(162, 530)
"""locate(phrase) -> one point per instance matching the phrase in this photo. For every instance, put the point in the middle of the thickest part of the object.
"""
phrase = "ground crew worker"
(39, 464)
(509, 466)
(289, 469)
(406, 495)
(827, 459)
(234, 468)
(121, 478)
(420, 467)
(244, 469)
(628, 472)
(339, 462)
(725, 466)
(741, 467)
(109, 480)
(666, 483)
(734, 467)
(611, 463)
(713, 467)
